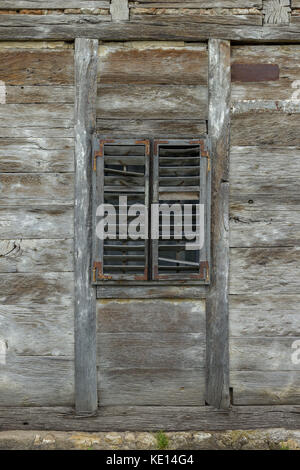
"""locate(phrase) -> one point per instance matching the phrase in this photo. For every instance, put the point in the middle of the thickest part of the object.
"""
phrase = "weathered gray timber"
(119, 10)
(36, 256)
(139, 418)
(157, 64)
(36, 222)
(151, 127)
(36, 381)
(54, 27)
(152, 102)
(199, 3)
(38, 330)
(39, 115)
(55, 4)
(150, 387)
(198, 18)
(16, 94)
(217, 358)
(265, 387)
(85, 309)
(276, 12)
(278, 267)
(151, 292)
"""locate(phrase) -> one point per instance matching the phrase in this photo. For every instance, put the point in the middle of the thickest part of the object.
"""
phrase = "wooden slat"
(165, 316)
(17, 94)
(86, 400)
(217, 359)
(55, 4)
(152, 102)
(46, 154)
(268, 128)
(36, 381)
(47, 130)
(150, 387)
(38, 115)
(44, 288)
(200, 3)
(151, 128)
(36, 188)
(139, 418)
(277, 267)
(155, 64)
(36, 222)
(264, 316)
(152, 292)
(36, 66)
(38, 330)
(151, 350)
(265, 354)
(265, 387)
(193, 17)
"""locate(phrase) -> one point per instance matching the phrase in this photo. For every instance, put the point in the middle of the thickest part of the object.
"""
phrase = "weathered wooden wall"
(264, 229)
(36, 224)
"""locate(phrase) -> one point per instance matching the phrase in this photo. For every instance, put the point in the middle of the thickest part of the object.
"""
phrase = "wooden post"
(217, 355)
(85, 296)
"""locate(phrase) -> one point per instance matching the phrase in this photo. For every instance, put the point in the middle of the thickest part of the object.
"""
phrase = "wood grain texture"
(85, 308)
(151, 292)
(36, 222)
(36, 132)
(160, 387)
(152, 64)
(46, 154)
(26, 189)
(32, 256)
(264, 316)
(265, 387)
(277, 267)
(36, 381)
(194, 17)
(139, 418)
(152, 102)
(276, 12)
(40, 4)
(38, 330)
(39, 115)
(56, 28)
(119, 10)
(44, 288)
(151, 350)
(217, 303)
(264, 354)
(149, 316)
(16, 94)
(151, 127)
(201, 3)
(36, 66)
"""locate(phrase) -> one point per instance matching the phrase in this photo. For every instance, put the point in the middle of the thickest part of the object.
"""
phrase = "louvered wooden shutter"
(181, 175)
(121, 168)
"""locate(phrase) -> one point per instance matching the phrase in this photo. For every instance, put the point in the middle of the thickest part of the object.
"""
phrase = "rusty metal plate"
(254, 72)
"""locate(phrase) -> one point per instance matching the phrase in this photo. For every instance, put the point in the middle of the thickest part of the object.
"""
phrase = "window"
(151, 210)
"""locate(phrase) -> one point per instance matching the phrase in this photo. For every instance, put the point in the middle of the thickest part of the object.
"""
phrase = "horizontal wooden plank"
(265, 388)
(38, 115)
(36, 381)
(36, 66)
(45, 288)
(47, 154)
(152, 102)
(151, 292)
(151, 128)
(53, 20)
(37, 330)
(152, 418)
(165, 316)
(87, 26)
(152, 64)
(269, 128)
(286, 58)
(41, 4)
(200, 3)
(263, 228)
(265, 354)
(39, 94)
(269, 270)
(36, 132)
(265, 202)
(151, 350)
(21, 256)
(152, 387)
(267, 315)
(36, 222)
(192, 16)
(24, 189)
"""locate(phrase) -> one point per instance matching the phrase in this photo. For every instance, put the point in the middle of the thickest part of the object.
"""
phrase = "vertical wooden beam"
(119, 10)
(217, 355)
(85, 296)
